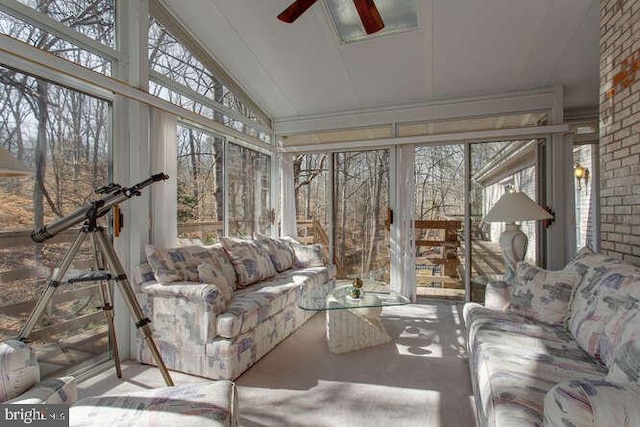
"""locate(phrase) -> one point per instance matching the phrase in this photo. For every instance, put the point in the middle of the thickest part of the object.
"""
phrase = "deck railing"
(72, 307)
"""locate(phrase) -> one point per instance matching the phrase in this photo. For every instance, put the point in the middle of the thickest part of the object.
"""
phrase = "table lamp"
(10, 167)
(513, 207)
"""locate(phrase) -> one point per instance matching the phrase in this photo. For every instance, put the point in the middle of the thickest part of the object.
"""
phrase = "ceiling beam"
(476, 106)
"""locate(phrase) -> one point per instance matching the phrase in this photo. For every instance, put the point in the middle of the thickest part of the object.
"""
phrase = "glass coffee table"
(352, 323)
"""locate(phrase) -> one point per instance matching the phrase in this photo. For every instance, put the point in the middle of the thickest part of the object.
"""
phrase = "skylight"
(398, 15)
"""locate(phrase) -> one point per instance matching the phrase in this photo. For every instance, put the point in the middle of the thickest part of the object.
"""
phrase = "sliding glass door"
(361, 202)
(439, 213)
(497, 168)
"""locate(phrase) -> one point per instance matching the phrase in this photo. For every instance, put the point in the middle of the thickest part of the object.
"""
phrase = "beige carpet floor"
(421, 378)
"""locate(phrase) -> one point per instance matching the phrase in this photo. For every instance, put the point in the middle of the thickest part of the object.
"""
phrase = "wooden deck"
(486, 264)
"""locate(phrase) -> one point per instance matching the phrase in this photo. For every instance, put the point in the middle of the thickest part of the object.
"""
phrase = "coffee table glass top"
(317, 298)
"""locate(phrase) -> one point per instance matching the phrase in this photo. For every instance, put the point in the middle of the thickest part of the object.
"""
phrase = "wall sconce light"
(581, 173)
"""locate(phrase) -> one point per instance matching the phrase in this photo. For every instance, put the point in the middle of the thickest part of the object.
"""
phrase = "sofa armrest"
(51, 391)
(497, 295)
(592, 403)
(206, 293)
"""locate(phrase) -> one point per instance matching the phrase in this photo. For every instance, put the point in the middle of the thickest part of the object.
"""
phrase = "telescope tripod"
(102, 251)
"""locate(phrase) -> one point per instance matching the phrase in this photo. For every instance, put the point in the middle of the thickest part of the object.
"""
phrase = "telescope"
(115, 194)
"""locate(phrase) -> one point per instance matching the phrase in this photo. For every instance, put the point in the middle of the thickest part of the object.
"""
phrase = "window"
(179, 77)
(64, 136)
(200, 185)
(312, 197)
(92, 18)
(248, 191)
(93, 21)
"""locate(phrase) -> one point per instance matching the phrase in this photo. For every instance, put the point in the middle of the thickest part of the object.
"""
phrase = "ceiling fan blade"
(294, 10)
(371, 19)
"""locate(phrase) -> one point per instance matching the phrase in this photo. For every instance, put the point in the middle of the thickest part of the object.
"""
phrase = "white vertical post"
(468, 247)
(131, 153)
(559, 185)
(403, 262)
(288, 203)
(164, 203)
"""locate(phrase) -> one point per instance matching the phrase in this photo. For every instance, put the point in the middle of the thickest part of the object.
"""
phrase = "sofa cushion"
(176, 264)
(280, 252)
(543, 295)
(511, 382)
(479, 318)
(252, 305)
(212, 403)
(509, 329)
(250, 260)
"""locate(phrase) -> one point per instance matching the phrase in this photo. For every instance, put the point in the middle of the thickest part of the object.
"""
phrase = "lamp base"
(513, 243)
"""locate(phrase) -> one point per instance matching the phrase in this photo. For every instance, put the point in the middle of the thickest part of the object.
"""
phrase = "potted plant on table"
(356, 288)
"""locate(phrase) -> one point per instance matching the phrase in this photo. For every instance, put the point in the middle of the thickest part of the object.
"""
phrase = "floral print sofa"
(216, 310)
(558, 348)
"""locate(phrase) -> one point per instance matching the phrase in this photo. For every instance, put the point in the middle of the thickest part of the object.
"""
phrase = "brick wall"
(620, 128)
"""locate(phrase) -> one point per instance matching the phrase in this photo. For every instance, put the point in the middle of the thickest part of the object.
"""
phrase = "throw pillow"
(176, 264)
(625, 358)
(497, 295)
(210, 275)
(250, 260)
(609, 291)
(280, 252)
(222, 260)
(307, 255)
(626, 365)
(543, 295)
(623, 326)
(593, 267)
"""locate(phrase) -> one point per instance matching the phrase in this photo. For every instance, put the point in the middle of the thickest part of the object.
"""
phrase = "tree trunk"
(40, 154)
(219, 184)
(375, 211)
(195, 175)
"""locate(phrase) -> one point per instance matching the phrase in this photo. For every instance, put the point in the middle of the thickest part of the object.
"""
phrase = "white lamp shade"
(10, 167)
(516, 206)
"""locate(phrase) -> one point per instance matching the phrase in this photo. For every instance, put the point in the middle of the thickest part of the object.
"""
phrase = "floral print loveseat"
(558, 348)
(216, 310)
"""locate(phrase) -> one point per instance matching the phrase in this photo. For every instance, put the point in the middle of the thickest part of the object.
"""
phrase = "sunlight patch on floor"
(420, 342)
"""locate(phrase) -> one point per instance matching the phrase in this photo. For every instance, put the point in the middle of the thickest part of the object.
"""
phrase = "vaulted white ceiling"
(462, 48)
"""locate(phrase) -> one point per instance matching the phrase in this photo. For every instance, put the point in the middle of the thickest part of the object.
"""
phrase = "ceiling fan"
(369, 15)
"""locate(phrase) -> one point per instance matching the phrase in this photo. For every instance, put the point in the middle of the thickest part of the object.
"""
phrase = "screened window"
(63, 135)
